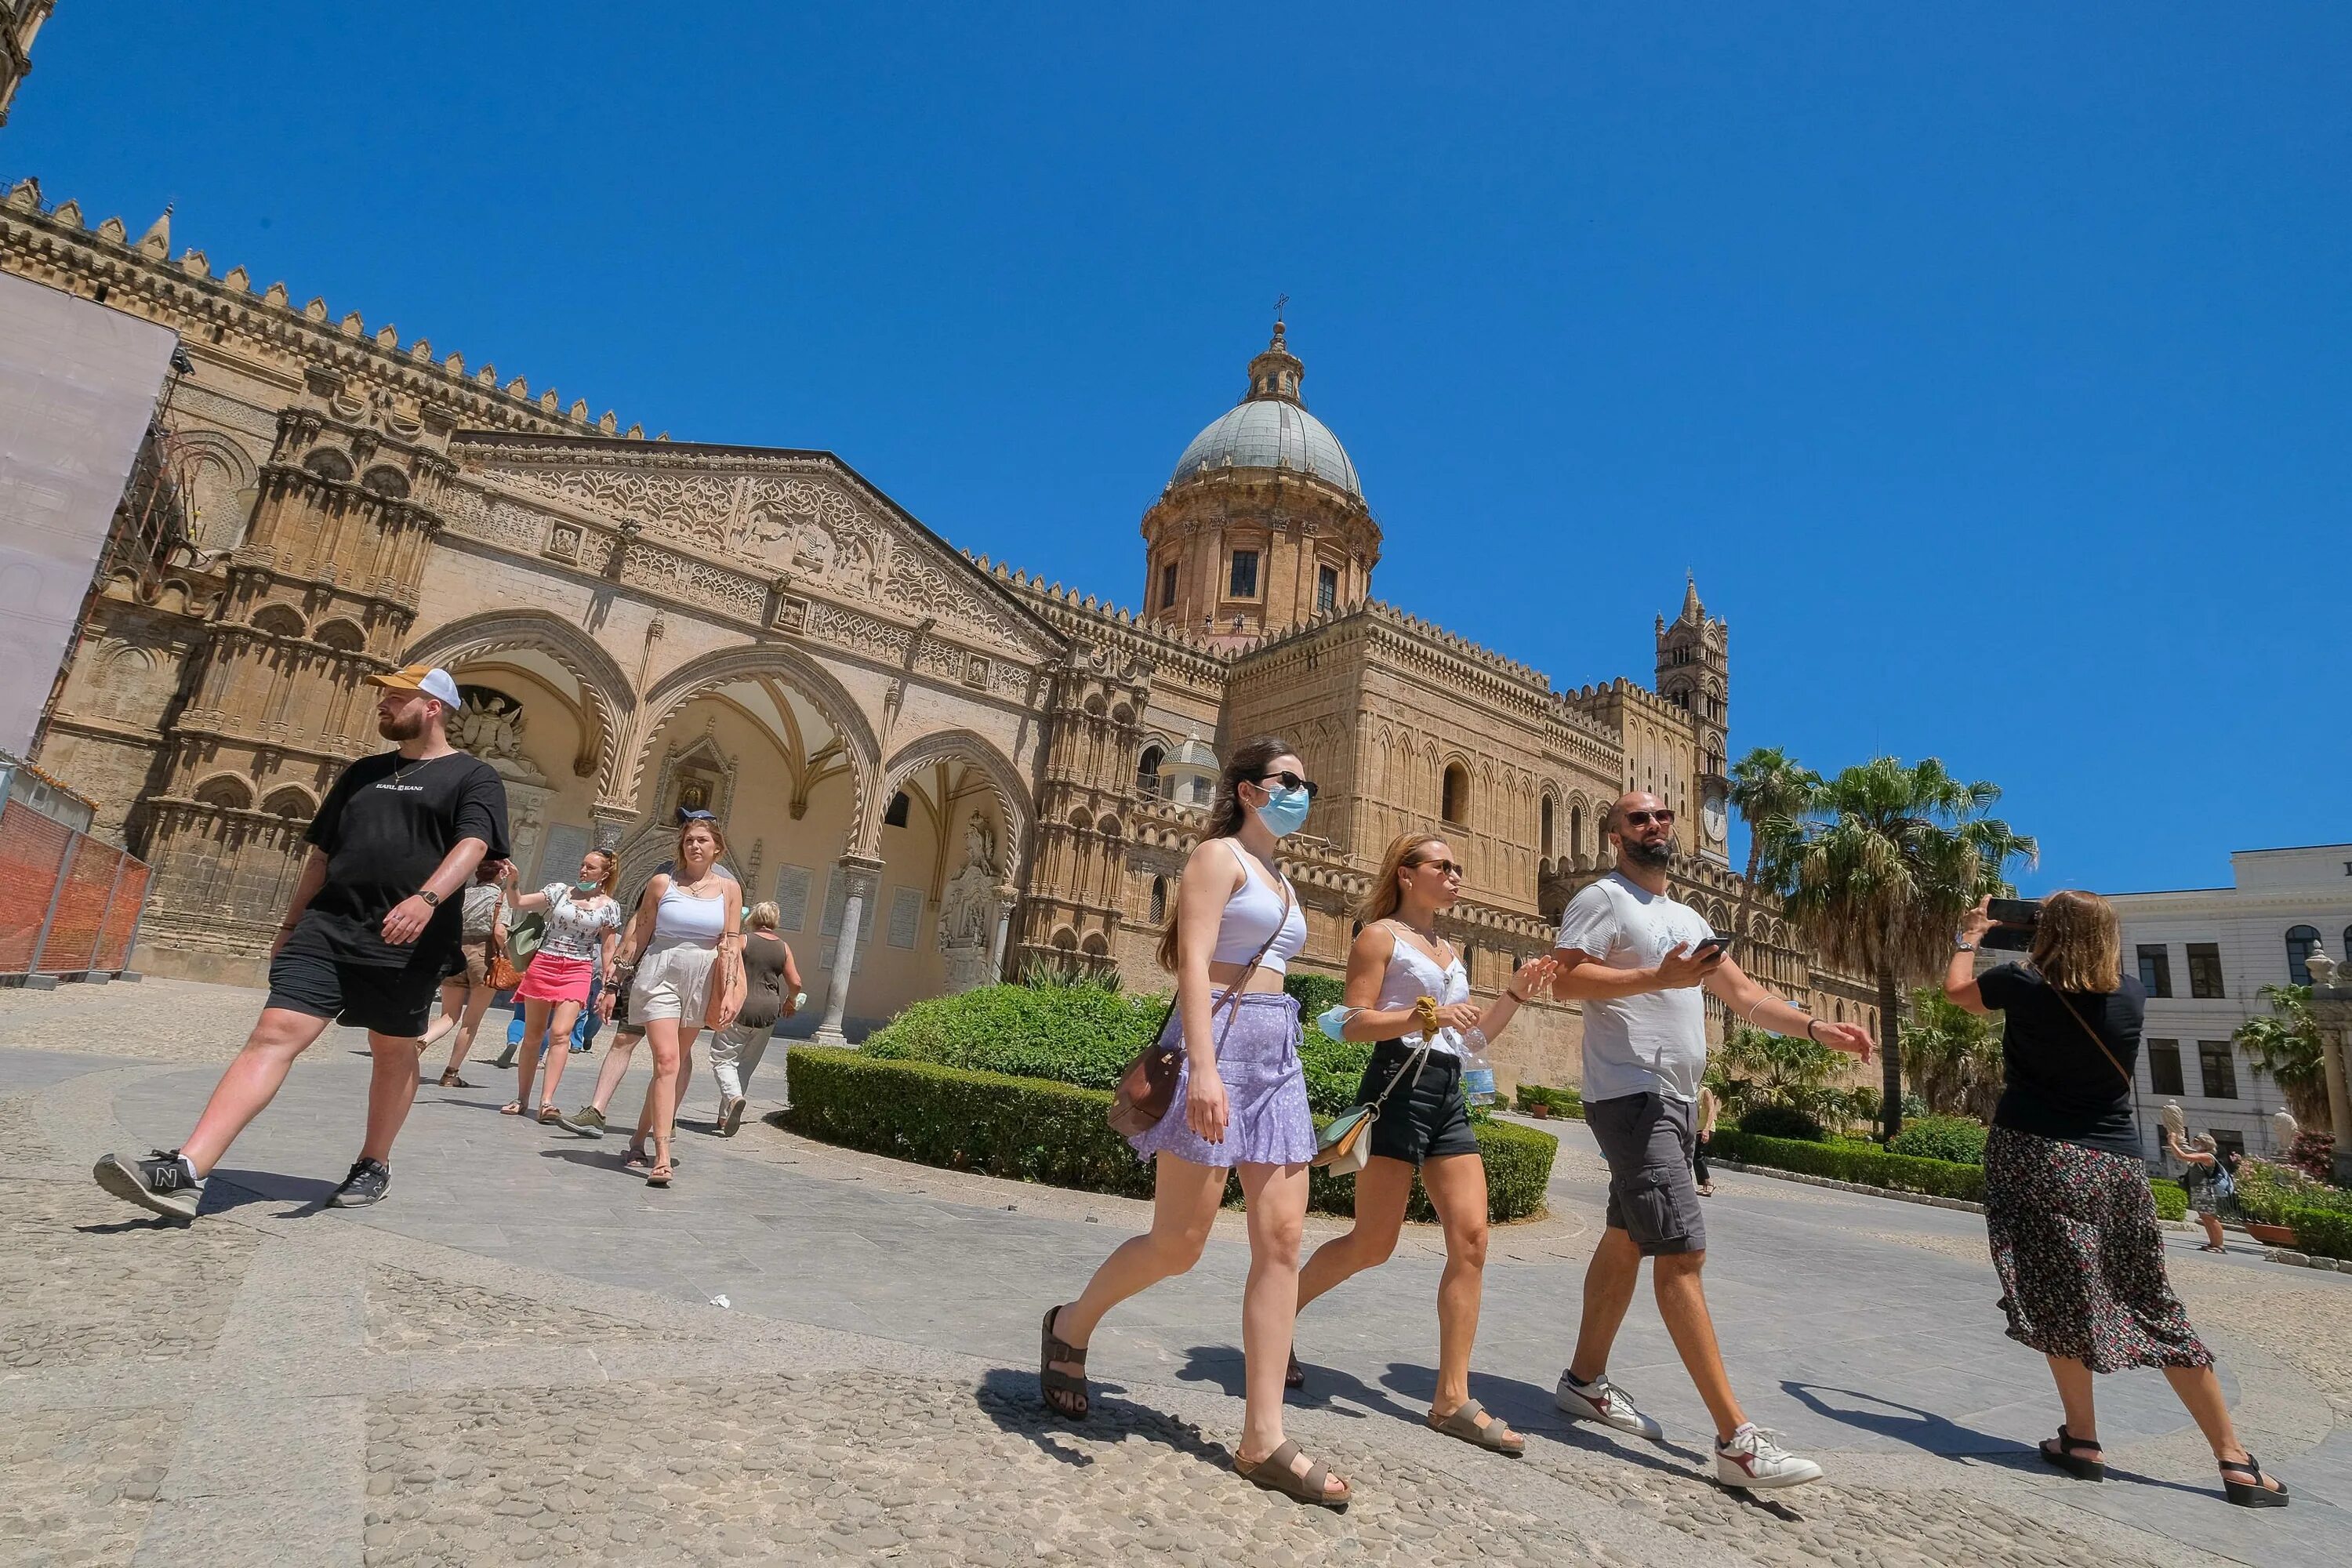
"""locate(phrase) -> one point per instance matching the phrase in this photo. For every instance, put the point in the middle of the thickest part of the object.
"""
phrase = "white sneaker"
(1754, 1461)
(1604, 1402)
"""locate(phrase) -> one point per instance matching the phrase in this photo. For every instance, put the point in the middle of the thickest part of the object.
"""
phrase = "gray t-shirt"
(1655, 1043)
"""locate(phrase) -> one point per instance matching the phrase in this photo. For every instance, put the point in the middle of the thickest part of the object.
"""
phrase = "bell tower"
(1694, 673)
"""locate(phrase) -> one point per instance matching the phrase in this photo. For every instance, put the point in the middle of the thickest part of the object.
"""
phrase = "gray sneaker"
(588, 1121)
(1604, 1402)
(367, 1183)
(159, 1183)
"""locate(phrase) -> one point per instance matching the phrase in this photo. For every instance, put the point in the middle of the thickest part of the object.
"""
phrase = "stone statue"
(489, 724)
(968, 910)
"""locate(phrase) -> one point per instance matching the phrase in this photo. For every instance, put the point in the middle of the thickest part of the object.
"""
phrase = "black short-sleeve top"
(385, 826)
(2067, 1059)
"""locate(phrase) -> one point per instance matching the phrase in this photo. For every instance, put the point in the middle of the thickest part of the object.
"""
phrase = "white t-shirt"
(1655, 1043)
(575, 929)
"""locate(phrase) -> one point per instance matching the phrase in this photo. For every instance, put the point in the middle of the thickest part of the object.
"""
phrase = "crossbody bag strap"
(2104, 1049)
(1231, 999)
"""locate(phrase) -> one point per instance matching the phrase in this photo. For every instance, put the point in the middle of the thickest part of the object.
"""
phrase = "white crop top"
(682, 917)
(1251, 916)
(1412, 974)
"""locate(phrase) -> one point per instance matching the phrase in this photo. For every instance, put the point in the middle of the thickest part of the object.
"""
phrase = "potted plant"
(2263, 1192)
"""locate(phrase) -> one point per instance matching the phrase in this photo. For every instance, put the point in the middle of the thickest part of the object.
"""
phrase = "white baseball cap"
(424, 677)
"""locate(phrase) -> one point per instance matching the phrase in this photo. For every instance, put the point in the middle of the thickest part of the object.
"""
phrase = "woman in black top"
(2067, 1207)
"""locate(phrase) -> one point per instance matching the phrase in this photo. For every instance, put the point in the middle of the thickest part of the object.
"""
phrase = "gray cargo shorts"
(1647, 1140)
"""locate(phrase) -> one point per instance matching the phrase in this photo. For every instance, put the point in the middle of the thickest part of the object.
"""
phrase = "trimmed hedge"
(2326, 1232)
(1035, 1129)
(1958, 1139)
(2172, 1200)
(1783, 1121)
(1567, 1102)
(1866, 1164)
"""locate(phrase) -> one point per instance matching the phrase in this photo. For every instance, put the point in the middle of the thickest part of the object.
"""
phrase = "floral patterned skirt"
(2081, 1261)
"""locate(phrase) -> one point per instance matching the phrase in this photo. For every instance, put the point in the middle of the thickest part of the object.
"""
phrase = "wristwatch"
(1962, 945)
(432, 899)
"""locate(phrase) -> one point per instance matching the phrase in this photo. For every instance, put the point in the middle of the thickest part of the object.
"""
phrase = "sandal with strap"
(1275, 1474)
(1075, 1400)
(2259, 1492)
(1293, 1376)
(549, 1115)
(511, 1108)
(1493, 1433)
(450, 1079)
(2063, 1456)
(659, 1175)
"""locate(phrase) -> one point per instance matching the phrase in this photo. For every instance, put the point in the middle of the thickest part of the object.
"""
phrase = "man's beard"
(1656, 856)
(393, 728)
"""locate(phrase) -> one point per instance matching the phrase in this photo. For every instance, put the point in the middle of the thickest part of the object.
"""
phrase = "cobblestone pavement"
(519, 1357)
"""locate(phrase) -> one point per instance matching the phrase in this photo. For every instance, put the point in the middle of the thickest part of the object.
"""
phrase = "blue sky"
(1989, 363)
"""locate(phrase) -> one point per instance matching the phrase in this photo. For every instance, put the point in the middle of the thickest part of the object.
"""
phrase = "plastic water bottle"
(1477, 1072)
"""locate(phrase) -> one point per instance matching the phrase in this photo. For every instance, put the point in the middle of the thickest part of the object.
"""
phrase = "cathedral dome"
(1270, 428)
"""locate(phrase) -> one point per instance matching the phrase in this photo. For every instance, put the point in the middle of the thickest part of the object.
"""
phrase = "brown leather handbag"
(1148, 1087)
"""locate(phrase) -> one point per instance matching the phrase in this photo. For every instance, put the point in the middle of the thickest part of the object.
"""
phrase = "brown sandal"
(450, 1079)
(548, 1115)
(511, 1108)
(1275, 1474)
(659, 1175)
(1494, 1435)
(1052, 1381)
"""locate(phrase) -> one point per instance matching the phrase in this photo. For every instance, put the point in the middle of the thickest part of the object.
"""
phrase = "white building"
(2204, 954)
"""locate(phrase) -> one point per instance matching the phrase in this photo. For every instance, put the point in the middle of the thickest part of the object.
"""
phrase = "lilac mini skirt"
(1267, 1119)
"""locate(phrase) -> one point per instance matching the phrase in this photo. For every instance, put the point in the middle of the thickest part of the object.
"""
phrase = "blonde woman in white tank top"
(1424, 1125)
(689, 928)
(1240, 1109)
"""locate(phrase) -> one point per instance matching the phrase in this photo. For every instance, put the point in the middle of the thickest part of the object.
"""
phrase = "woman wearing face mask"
(690, 930)
(1424, 1124)
(581, 922)
(1240, 1105)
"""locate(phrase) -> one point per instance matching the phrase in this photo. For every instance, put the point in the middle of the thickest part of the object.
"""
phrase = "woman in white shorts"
(687, 940)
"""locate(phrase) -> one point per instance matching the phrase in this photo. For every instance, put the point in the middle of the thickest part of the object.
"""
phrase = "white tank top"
(1412, 974)
(682, 917)
(1252, 915)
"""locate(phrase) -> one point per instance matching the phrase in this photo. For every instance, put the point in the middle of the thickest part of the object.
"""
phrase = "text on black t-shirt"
(385, 826)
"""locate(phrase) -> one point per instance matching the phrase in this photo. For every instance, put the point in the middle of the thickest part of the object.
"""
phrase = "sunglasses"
(1663, 816)
(1291, 781)
(1451, 867)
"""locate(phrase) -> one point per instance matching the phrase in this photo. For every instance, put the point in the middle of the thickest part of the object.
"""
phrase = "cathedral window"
(1454, 794)
(1168, 586)
(1243, 581)
(1147, 771)
(1545, 830)
(1327, 589)
(897, 816)
(1158, 900)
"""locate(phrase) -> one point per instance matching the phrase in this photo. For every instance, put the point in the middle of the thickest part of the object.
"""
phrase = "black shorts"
(1648, 1139)
(1422, 1120)
(306, 977)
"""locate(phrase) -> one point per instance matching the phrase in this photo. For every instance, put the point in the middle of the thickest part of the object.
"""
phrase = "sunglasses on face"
(1450, 867)
(1663, 816)
(1290, 781)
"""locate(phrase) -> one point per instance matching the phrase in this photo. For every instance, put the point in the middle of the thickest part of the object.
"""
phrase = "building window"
(2205, 970)
(2302, 941)
(1544, 829)
(2219, 1067)
(2164, 1067)
(1168, 586)
(2227, 1142)
(1576, 830)
(1454, 794)
(1147, 770)
(897, 816)
(1327, 590)
(1242, 583)
(2156, 970)
(1158, 900)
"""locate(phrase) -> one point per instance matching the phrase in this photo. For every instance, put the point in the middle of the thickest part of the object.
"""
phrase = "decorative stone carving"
(968, 912)
(489, 723)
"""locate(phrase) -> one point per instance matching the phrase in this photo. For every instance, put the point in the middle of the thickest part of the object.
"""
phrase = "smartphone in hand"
(1713, 948)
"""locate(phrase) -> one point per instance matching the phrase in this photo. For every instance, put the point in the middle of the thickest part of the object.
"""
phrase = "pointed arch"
(610, 700)
(811, 679)
(1003, 781)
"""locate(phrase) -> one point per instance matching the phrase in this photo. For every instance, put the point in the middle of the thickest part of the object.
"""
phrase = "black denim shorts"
(306, 977)
(1421, 1120)
(1647, 1140)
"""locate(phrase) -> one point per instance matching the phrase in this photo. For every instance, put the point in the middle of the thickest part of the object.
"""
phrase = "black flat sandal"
(2063, 1456)
(2256, 1493)
(1065, 1393)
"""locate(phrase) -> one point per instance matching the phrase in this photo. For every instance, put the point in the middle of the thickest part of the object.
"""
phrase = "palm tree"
(2285, 1045)
(1890, 858)
(1953, 1056)
(1771, 791)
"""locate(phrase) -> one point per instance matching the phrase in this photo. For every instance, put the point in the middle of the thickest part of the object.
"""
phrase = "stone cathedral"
(942, 769)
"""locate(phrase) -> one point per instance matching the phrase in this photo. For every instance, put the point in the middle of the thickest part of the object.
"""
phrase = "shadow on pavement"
(226, 1190)
(1011, 1399)
(1513, 1400)
(1224, 1368)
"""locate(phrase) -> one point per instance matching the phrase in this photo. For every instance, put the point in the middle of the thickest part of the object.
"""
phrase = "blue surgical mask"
(1284, 811)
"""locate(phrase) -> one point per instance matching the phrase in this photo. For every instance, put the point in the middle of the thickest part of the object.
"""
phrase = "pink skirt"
(554, 979)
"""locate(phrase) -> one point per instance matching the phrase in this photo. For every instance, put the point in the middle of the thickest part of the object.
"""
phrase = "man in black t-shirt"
(374, 923)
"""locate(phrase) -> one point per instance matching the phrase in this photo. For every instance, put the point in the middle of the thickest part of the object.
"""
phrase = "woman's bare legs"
(1382, 1187)
(2199, 1391)
(1184, 1199)
(469, 1022)
(673, 1043)
(1457, 1185)
(559, 1046)
(534, 1029)
(1276, 1200)
(2212, 1224)
(614, 1067)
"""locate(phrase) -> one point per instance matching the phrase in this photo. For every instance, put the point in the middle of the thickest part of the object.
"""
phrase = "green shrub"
(1038, 1131)
(1315, 994)
(1560, 1102)
(2326, 1232)
(1335, 1070)
(2172, 1200)
(1781, 1122)
(1868, 1166)
(1954, 1138)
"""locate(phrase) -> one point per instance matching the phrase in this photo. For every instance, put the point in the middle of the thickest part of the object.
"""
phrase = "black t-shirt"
(385, 826)
(2058, 1082)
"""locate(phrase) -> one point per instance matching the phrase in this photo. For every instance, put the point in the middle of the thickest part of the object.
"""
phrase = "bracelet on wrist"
(1810, 1022)
(1515, 996)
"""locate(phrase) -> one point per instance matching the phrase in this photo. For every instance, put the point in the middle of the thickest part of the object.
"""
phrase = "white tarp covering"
(77, 384)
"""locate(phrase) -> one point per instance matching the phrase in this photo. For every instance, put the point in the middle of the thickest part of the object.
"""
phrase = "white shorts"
(673, 982)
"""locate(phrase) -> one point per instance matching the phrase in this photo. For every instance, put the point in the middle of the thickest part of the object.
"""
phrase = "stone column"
(611, 821)
(863, 878)
(1005, 898)
(2331, 1009)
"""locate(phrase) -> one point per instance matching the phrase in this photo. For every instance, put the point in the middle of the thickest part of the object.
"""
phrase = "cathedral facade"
(943, 769)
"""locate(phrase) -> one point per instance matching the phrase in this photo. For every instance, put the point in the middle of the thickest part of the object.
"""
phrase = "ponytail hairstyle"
(1386, 896)
(1226, 812)
(612, 869)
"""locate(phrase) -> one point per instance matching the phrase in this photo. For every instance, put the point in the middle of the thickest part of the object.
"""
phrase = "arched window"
(895, 816)
(1544, 813)
(1158, 900)
(278, 621)
(1147, 770)
(1453, 795)
(224, 790)
(2302, 941)
(329, 464)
